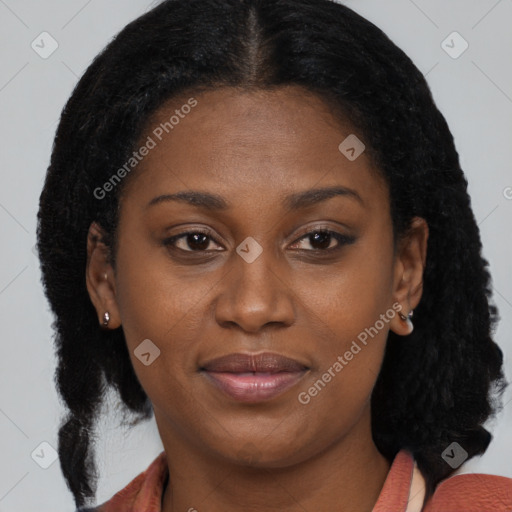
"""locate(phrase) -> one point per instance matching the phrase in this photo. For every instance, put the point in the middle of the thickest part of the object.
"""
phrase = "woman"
(247, 200)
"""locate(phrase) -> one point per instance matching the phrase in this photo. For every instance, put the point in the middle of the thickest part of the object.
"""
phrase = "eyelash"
(341, 239)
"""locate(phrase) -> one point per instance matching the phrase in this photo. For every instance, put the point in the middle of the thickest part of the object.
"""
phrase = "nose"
(255, 294)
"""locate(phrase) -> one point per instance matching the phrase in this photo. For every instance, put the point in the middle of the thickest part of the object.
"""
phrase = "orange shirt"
(460, 493)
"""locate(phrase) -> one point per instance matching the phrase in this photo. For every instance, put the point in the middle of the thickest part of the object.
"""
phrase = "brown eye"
(322, 240)
(191, 241)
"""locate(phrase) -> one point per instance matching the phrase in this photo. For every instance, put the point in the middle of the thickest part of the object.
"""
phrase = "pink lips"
(253, 378)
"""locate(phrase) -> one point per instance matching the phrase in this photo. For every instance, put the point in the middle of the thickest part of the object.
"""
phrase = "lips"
(267, 362)
(253, 377)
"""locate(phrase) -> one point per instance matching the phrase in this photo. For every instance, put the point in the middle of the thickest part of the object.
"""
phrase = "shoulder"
(472, 493)
(144, 492)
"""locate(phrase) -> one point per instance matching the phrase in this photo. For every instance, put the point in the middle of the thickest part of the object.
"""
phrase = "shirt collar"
(146, 491)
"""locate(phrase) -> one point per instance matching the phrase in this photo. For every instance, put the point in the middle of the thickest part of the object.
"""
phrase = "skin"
(254, 148)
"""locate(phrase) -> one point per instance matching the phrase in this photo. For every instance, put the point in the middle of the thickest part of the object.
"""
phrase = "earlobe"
(402, 324)
(100, 280)
(408, 320)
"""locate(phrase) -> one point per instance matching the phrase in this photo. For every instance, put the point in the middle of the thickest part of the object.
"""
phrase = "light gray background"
(473, 91)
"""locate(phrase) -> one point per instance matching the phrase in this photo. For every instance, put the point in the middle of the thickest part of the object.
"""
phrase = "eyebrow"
(296, 201)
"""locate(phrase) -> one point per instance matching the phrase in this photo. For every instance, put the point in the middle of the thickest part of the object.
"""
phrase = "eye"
(196, 241)
(322, 240)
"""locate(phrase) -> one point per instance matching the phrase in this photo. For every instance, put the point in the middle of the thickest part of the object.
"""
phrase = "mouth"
(253, 377)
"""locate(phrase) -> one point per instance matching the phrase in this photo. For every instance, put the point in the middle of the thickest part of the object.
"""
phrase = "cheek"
(153, 300)
(153, 307)
(338, 392)
(354, 294)
(350, 313)
(154, 304)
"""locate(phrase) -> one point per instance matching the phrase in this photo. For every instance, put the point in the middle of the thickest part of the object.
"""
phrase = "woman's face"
(256, 275)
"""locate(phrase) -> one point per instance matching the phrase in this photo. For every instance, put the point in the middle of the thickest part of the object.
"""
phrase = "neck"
(346, 476)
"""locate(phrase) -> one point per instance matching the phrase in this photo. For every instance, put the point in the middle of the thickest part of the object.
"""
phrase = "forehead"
(250, 142)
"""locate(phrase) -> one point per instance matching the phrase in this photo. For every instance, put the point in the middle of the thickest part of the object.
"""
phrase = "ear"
(409, 265)
(100, 278)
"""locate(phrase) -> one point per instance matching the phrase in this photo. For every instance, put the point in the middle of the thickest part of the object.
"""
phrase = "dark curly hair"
(436, 386)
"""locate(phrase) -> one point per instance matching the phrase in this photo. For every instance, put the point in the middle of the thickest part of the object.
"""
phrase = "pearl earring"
(407, 320)
(106, 318)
